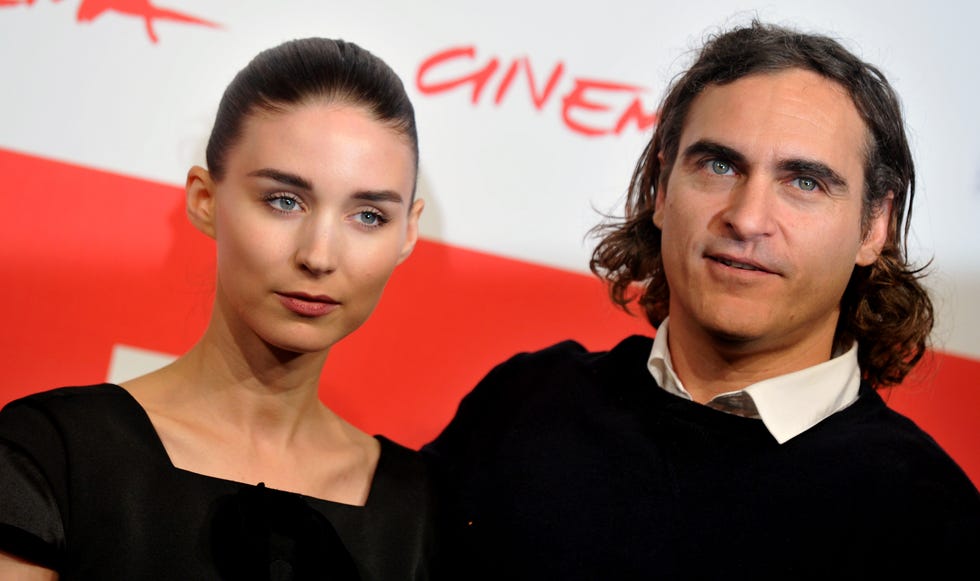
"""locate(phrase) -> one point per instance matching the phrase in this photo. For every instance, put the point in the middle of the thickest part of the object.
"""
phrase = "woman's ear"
(412, 232)
(199, 192)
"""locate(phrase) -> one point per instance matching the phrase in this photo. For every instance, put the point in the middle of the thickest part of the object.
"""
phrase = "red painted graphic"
(117, 263)
(589, 107)
(89, 10)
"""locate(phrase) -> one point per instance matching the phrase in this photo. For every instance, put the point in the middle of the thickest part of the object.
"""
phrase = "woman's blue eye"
(720, 167)
(284, 203)
(369, 218)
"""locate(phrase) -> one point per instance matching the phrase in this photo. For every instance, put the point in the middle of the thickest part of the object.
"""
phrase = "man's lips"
(308, 305)
(741, 263)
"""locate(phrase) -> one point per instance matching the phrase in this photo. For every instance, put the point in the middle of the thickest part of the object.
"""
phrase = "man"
(764, 237)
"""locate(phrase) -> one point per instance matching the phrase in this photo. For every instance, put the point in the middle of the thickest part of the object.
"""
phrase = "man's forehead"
(793, 112)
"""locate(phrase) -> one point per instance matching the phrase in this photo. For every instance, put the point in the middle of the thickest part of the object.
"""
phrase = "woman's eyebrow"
(376, 196)
(379, 196)
(283, 178)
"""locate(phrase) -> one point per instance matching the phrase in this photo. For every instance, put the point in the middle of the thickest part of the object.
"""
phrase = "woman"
(225, 464)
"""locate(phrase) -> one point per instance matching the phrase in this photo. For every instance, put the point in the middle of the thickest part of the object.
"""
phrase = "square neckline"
(147, 425)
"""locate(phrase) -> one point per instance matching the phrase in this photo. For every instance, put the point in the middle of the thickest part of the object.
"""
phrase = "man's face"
(761, 216)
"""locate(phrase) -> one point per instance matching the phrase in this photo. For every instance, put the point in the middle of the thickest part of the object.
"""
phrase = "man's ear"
(412, 232)
(877, 234)
(199, 192)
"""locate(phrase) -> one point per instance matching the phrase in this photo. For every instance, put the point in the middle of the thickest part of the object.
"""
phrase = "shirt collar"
(789, 404)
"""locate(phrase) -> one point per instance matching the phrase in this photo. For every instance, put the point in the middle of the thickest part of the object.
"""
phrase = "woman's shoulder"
(402, 515)
(399, 465)
(88, 421)
(402, 481)
(67, 406)
(67, 396)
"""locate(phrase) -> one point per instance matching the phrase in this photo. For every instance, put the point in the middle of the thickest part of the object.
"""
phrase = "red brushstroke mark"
(92, 9)
(589, 107)
(89, 10)
(539, 99)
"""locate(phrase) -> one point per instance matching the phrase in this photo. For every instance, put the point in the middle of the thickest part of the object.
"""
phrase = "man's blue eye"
(720, 167)
(807, 184)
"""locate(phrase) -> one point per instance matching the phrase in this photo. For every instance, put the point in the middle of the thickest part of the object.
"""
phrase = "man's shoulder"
(564, 376)
(871, 420)
(574, 357)
(561, 369)
(888, 445)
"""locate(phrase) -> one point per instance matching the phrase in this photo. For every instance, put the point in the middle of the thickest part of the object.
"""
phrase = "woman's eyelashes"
(371, 218)
(286, 203)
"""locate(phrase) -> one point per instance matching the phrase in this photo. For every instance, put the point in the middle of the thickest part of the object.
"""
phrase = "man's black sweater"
(565, 464)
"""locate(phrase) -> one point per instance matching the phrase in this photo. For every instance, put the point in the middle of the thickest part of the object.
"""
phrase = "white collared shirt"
(789, 404)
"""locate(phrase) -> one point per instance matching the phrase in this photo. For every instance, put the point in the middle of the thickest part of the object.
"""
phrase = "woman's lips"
(308, 306)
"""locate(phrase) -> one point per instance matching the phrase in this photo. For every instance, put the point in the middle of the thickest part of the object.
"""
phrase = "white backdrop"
(82, 81)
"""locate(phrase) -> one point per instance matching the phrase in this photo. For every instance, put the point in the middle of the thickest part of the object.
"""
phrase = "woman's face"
(312, 216)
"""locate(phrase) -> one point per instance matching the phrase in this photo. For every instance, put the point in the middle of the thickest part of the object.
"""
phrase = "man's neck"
(708, 366)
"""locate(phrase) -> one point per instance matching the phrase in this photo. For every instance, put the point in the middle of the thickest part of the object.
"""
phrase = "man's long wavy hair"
(884, 307)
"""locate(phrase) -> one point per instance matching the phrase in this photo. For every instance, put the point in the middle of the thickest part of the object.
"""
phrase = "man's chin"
(736, 334)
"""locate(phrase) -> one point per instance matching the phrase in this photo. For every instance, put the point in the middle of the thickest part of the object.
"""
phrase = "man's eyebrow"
(283, 178)
(708, 148)
(379, 196)
(814, 169)
(807, 167)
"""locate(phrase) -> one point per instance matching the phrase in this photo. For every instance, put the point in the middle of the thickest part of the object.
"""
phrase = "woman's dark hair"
(304, 71)
(884, 308)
